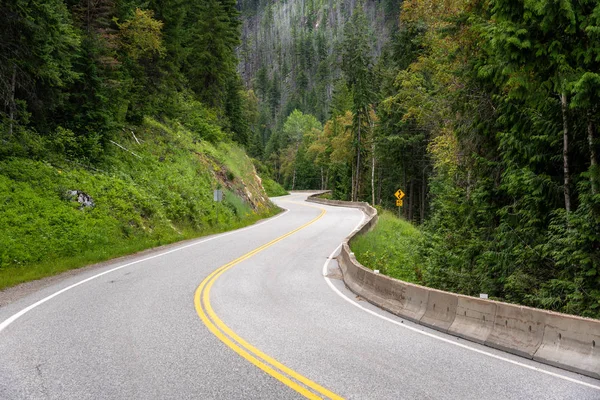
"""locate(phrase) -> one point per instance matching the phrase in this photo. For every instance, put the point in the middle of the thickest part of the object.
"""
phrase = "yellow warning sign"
(399, 195)
(399, 203)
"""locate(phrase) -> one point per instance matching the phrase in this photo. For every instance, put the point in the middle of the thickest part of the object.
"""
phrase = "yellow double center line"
(286, 375)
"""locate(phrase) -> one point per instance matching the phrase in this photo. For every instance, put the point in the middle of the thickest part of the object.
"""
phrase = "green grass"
(273, 188)
(392, 247)
(163, 195)
(327, 196)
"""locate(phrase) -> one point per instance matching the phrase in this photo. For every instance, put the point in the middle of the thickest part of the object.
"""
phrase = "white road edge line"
(343, 296)
(24, 311)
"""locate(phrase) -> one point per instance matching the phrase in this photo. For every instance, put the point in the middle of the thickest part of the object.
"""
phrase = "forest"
(484, 112)
(73, 72)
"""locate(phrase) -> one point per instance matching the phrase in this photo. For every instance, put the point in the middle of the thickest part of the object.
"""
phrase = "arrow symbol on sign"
(399, 194)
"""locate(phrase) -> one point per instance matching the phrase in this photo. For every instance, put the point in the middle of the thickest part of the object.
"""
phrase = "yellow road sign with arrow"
(399, 196)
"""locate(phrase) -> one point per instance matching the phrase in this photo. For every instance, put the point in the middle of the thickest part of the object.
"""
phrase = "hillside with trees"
(485, 113)
(118, 119)
(291, 54)
(92, 67)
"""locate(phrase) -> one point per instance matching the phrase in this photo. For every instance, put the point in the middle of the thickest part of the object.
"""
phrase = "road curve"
(151, 327)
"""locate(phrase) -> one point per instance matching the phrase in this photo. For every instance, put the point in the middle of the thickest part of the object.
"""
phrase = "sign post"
(218, 197)
(399, 196)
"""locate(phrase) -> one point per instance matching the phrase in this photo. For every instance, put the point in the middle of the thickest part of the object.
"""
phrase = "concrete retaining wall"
(565, 341)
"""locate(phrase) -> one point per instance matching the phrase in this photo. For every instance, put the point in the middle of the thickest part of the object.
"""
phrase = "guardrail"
(561, 340)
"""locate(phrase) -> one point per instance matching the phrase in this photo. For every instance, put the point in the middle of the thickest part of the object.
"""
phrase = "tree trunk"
(372, 126)
(353, 184)
(411, 199)
(567, 176)
(373, 175)
(593, 159)
(379, 186)
(12, 106)
(278, 170)
(468, 184)
(322, 180)
(295, 158)
(404, 208)
(423, 190)
(88, 19)
(357, 161)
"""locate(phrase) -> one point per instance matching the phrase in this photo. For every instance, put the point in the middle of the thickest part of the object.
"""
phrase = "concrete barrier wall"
(474, 319)
(517, 329)
(441, 310)
(414, 300)
(565, 341)
(571, 343)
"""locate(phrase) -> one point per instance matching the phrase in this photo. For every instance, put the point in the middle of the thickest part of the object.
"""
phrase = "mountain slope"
(154, 187)
(290, 51)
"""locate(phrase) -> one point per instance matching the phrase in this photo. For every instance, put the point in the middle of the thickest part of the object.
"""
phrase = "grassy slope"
(392, 247)
(273, 188)
(162, 196)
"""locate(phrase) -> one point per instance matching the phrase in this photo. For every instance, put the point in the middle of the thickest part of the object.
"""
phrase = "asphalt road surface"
(258, 313)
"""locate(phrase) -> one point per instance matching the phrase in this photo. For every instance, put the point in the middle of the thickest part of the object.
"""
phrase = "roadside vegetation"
(118, 120)
(392, 247)
(158, 191)
(485, 113)
(273, 188)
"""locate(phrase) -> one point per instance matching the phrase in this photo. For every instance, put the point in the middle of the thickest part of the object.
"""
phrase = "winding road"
(257, 313)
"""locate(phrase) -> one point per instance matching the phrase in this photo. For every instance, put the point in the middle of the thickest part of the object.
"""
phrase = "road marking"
(261, 360)
(24, 311)
(431, 335)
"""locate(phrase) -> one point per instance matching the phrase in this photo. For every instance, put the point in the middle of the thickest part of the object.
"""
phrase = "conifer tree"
(358, 70)
(38, 44)
(211, 38)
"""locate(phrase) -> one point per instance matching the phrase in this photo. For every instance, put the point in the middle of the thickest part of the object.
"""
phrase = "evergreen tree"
(210, 41)
(274, 94)
(38, 45)
(357, 66)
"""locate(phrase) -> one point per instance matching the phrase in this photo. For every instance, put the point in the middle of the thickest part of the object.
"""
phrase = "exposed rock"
(81, 197)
